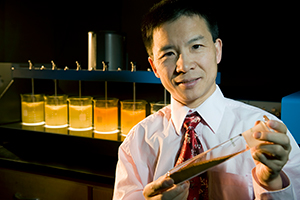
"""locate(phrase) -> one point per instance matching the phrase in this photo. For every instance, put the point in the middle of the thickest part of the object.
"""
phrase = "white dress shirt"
(149, 151)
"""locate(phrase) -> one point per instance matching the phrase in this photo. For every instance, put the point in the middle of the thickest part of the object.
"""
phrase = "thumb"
(158, 186)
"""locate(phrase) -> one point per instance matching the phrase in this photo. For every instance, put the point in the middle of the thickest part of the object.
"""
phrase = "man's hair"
(169, 11)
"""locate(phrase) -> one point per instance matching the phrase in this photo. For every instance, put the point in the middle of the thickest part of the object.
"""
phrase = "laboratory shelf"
(95, 75)
(85, 75)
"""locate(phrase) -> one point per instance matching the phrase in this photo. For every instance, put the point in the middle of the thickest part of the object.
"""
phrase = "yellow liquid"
(80, 116)
(113, 136)
(130, 118)
(32, 112)
(56, 115)
(85, 133)
(106, 119)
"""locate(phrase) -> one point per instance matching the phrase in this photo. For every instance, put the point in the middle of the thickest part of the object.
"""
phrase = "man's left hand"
(270, 157)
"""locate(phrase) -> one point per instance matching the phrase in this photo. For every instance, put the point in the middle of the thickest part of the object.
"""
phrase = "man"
(181, 38)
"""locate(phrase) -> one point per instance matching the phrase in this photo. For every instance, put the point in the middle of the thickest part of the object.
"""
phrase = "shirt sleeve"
(285, 193)
(128, 183)
(133, 170)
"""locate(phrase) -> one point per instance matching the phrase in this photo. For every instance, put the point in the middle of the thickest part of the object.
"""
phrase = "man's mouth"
(188, 82)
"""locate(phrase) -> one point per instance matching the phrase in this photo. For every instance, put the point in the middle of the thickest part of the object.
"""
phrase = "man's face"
(185, 58)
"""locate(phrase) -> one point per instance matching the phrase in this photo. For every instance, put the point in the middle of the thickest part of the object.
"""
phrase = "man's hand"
(270, 157)
(164, 188)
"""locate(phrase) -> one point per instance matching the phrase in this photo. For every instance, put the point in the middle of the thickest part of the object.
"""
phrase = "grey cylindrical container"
(107, 46)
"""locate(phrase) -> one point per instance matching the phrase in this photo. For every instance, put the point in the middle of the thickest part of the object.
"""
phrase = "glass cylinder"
(56, 111)
(208, 159)
(131, 113)
(157, 106)
(106, 116)
(32, 106)
(80, 113)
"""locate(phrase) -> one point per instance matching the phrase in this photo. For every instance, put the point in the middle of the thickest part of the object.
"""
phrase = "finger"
(271, 155)
(177, 192)
(274, 165)
(275, 138)
(273, 151)
(158, 186)
(277, 126)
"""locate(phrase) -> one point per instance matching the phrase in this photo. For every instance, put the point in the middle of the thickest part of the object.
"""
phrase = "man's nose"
(184, 63)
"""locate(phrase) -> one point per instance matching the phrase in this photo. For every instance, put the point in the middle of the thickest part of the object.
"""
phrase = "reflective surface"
(66, 131)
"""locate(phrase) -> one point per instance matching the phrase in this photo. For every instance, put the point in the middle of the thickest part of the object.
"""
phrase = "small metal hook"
(53, 65)
(133, 66)
(105, 65)
(30, 65)
(78, 66)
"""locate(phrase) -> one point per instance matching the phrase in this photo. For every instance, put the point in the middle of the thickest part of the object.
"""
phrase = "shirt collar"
(211, 110)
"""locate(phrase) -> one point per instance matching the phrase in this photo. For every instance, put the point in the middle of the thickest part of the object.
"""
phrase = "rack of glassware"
(84, 115)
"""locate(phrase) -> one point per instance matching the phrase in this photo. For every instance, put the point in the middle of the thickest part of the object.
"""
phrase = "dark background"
(260, 50)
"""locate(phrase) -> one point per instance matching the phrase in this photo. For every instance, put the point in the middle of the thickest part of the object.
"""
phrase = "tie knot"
(191, 121)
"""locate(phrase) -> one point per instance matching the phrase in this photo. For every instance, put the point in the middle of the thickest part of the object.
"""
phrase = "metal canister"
(107, 46)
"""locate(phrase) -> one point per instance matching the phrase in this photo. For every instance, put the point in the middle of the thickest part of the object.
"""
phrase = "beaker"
(208, 159)
(157, 106)
(106, 116)
(56, 111)
(132, 112)
(80, 113)
(32, 106)
(219, 154)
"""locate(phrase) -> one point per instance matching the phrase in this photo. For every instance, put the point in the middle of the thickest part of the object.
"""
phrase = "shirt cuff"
(261, 193)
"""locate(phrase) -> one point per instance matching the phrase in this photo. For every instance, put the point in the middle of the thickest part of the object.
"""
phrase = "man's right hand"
(164, 188)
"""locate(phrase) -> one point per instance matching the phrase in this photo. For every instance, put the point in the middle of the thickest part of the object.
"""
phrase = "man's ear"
(218, 45)
(153, 67)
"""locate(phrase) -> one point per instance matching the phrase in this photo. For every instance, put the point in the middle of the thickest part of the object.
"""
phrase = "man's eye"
(168, 54)
(197, 46)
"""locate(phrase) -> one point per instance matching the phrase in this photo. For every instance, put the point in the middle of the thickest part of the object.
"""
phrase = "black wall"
(260, 40)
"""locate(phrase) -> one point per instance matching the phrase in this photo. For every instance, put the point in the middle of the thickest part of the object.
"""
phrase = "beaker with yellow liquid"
(56, 111)
(80, 113)
(106, 118)
(32, 106)
(154, 107)
(132, 112)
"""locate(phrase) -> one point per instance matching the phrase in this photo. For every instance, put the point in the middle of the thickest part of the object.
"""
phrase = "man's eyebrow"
(165, 48)
(199, 37)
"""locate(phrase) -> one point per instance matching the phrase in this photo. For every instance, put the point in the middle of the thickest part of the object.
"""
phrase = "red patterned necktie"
(191, 147)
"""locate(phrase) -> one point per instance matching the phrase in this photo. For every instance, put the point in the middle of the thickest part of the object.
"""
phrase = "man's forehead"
(184, 28)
